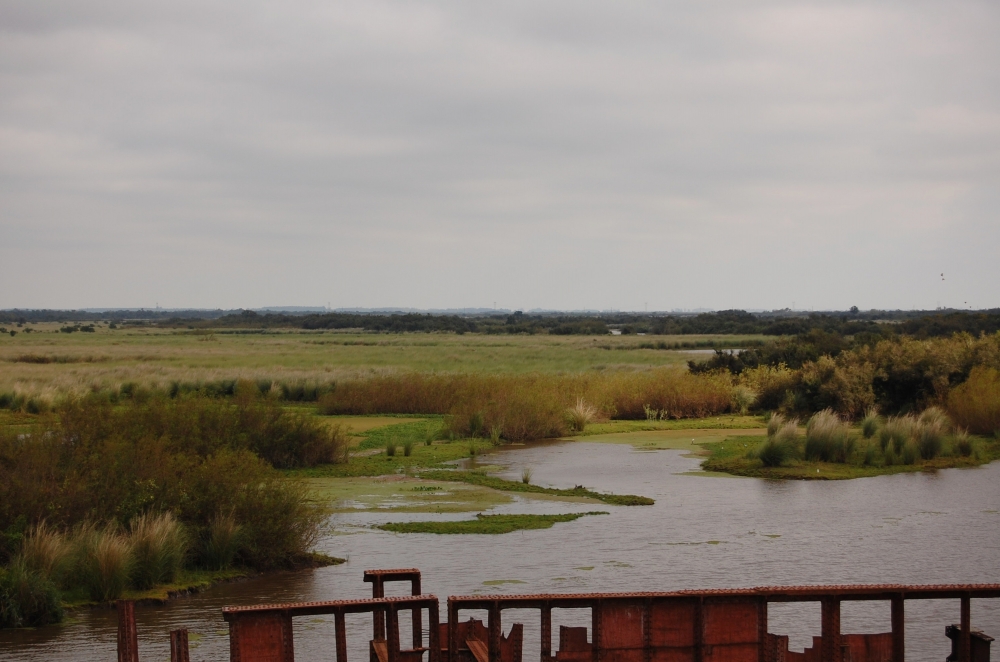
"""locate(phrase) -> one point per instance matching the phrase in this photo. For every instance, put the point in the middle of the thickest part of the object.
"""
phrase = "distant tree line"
(853, 323)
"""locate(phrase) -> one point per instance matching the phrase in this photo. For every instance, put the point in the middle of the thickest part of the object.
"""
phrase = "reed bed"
(532, 406)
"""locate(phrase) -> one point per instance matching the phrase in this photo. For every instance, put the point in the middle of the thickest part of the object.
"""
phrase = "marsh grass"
(104, 561)
(159, 547)
(975, 404)
(408, 447)
(526, 474)
(580, 415)
(46, 551)
(743, 398)
(871, 423)
(782, 443)
(895, 433)
(223, 541)
(27, 597)
(828, 438)
(390, 448)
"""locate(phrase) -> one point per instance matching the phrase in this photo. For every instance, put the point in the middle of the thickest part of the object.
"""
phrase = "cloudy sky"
(564, 154)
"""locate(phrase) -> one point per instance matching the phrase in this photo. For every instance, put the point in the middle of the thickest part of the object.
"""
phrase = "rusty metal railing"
(727, 625)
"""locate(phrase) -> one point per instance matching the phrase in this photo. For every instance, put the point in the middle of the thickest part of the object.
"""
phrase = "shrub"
(46, 551)
(222, 542)
(743, 398)
(27, 598)
(390, 448)
(975, 404)
(781, 446)
(526, 474)
(774, 423)
(895, 433)
(580, 415)
(963, 444)
(871, 423)
(408, 447)
(104, 561)
(827, 438)
(159, 546)
(910, 453)
(929, 438)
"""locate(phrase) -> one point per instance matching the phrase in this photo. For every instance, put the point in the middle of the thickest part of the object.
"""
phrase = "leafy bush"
(27, 598)
(975, 404)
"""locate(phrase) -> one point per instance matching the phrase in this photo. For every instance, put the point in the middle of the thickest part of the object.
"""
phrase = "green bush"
(27, 598)
(782, 443)
(975, 404)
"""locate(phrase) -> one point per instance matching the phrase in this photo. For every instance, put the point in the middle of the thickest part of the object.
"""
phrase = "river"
(703, 532)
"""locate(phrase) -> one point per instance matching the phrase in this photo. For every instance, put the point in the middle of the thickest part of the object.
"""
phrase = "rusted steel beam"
(340, 627)
(179, 646)
(699, 630)
(416, 620)
(546, 653)
(898, 629)
(331, 607)
(433, 634)
(495, 632)
(830, 645)
(452, 631)
(965, 642)
(595, 631)
(392, 633)
(128, 639)
(761, 629)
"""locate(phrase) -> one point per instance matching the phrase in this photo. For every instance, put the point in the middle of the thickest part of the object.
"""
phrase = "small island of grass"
(485, 524)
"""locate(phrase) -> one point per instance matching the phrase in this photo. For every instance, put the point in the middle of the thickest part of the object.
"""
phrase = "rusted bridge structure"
(681, 626)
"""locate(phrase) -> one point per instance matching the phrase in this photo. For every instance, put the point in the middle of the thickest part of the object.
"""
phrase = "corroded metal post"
(179, 646)
(546, 632)
(965, 643)
(392, 633)
(595, 635)
(340, 625)
(761, 629)
(898, 629)
(830, 646)
(433, 633)
(452, 631)
(495, 632)
(128, 639)
(415, 619)
(699, 629)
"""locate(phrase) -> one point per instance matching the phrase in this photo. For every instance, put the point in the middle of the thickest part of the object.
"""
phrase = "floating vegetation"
(483, 480)
(485, 524)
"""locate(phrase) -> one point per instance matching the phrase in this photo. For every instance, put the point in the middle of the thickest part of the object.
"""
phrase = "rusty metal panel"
(730, 623)
(869, 647)
(672, 624)
(623, 635)
(261, 638)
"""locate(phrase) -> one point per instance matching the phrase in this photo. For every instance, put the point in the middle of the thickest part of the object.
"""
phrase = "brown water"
(702, 533)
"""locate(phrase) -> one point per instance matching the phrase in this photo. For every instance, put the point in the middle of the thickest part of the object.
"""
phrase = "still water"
(703, 532)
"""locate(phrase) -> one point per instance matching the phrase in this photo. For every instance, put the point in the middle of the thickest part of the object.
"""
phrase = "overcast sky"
(533, 154)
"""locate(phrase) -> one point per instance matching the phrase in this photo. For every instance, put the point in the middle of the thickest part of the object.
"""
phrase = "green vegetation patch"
(730, 457)
(477, 478)
(486, 524)
(401, 494)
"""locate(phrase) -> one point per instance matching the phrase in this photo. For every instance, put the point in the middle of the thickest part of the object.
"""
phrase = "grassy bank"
(492, 482)
(485, 524)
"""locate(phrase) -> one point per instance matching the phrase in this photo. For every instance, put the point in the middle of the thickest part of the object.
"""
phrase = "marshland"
(153, 458)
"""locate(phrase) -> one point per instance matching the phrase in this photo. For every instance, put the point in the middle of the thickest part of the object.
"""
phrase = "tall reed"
(159, 546)
(104, 560)
(222, 543)
(46, 551)
(871, 423)
(827, 438)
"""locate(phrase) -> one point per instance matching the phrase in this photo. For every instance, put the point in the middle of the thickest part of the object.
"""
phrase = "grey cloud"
(562, 154)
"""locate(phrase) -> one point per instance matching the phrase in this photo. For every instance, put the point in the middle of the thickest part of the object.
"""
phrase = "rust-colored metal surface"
(717, 625)
(128, 639)
(179, 646)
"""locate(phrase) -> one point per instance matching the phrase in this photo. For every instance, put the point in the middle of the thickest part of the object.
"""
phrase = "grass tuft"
(159, 547)
(526, 474)
(485, 524)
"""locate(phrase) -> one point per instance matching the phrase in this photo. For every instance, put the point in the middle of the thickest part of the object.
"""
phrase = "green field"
(48, 362)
